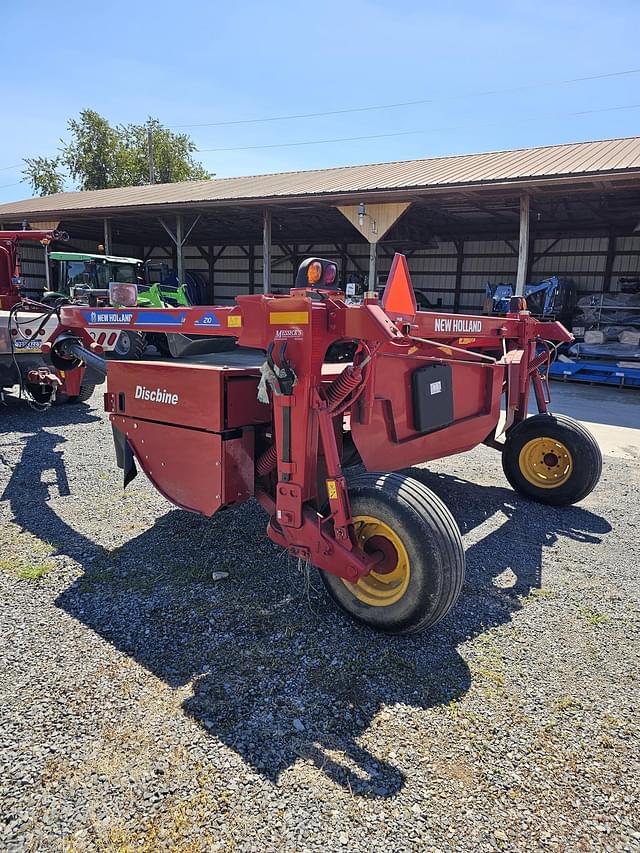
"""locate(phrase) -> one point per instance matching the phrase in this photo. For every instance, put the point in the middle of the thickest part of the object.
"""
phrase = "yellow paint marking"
(286, 318)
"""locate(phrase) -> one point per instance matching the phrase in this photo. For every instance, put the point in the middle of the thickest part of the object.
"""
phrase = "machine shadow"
(277, 672)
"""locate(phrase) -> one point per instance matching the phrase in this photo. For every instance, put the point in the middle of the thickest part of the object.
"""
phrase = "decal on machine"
(110, 318)
(159, 318)
(285, 334)
(457, 325)
(207, 319)
(156, 395)
(283, 318)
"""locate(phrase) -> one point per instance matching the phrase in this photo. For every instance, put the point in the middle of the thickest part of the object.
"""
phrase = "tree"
(99, 156)
(43, 173)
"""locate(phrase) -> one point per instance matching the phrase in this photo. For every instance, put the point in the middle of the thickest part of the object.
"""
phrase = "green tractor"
(77, 274)
(71, 273)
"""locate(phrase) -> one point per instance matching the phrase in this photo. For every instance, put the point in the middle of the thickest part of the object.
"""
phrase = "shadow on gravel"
(278, 673)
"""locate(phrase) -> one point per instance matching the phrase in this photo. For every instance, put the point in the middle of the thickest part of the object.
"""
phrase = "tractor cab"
(75, 272)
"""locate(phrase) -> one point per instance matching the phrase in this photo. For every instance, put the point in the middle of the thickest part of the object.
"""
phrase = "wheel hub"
(545, 462)
(388, 581)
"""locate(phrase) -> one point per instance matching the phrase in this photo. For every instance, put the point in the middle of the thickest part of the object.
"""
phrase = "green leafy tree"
(99, 156)
(91, 155)
(43, 173)
(173, 155)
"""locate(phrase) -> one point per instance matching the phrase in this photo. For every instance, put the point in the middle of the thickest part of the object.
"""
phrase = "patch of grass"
(27, 571)
(566, 703)
(538, 594)
(592, 617)
(172, 829)
(488, 663)
(35, 571)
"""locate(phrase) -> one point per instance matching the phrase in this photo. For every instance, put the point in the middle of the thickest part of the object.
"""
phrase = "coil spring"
(267, 461)
(347, 382)
(538, 361)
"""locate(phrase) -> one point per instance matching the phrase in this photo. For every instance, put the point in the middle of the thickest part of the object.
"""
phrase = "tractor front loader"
(273, 420)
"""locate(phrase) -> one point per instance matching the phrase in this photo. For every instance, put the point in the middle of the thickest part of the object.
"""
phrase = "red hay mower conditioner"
(274, 420)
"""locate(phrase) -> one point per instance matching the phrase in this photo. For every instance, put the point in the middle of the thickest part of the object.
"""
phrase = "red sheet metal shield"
(398, 299)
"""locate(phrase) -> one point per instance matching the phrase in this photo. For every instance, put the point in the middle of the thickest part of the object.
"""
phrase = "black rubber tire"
(584, 450)
(85, 393)
(434, 547)
(137, 345)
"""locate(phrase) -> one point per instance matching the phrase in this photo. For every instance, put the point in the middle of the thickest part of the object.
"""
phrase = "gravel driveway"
(145, 706)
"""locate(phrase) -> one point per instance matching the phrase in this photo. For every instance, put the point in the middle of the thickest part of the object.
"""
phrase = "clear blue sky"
(198, 61)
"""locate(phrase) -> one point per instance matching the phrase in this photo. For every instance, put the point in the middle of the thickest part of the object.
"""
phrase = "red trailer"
(276, 421)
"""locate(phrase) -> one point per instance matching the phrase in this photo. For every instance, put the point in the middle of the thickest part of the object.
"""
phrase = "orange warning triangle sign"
(398, 298)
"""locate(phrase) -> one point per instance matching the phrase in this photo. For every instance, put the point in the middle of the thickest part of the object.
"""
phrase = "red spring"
(538, 361)
(341, 387)
(267, 461)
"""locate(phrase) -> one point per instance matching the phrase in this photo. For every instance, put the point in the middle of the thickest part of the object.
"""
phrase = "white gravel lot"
(146, 707)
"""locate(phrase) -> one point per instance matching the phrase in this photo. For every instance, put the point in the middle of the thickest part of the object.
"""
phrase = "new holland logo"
(111, 318)
(156, 395)
(449, 324)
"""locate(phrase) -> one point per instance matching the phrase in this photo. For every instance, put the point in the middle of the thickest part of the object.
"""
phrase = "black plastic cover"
(432, 397)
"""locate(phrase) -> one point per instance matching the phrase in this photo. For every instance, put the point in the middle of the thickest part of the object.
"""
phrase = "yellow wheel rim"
(545, 462)
(387, 586)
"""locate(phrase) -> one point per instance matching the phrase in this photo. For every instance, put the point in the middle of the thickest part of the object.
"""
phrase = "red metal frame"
(488, 356)
(10, 262)
(11, 295)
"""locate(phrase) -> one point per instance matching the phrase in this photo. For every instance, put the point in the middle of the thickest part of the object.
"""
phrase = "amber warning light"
(317, 272)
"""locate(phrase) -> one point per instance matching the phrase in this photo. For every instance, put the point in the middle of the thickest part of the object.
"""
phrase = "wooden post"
(266, 251)
(459, 266)
(608, 270)
(343, 264)
(211, 263)
(179, 247)
(151, 153)
(107, 236)
(372, 266)
(523, 247)
(252, 268)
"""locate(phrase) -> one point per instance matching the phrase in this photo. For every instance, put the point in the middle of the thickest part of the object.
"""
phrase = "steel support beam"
(523, 247)
(266, 251)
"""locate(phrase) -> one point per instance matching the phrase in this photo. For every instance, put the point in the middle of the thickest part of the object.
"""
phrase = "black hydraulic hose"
(68, 348)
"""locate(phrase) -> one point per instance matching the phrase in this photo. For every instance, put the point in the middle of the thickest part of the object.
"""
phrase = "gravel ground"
(146, 707)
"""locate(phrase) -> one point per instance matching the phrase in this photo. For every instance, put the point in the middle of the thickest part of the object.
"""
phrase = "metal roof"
(549, 163)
